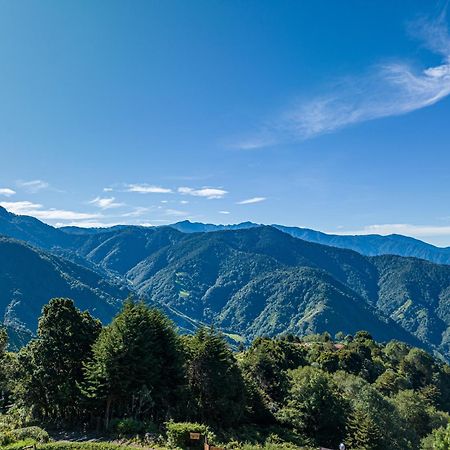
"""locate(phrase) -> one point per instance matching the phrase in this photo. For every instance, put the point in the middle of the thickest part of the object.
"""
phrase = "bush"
(15, 418)
(264, 438)
(438, 440)
(269, 446)
(178, 434)
(36, 433)
(81, 446)
(19, 445)
(32, 434)
(127, 427)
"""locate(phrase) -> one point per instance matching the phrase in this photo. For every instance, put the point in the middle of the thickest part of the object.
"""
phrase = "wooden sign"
(194, 436)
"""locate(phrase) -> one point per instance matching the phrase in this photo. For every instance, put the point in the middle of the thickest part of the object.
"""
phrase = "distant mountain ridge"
(246, 279)
(370, 244)
(45, 236)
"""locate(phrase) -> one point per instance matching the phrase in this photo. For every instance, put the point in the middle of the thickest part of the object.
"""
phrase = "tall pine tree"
(136, 368)
(216, 386)
(362, 431)
(51, 366)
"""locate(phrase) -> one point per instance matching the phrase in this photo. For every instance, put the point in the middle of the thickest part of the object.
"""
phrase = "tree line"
(317, 390)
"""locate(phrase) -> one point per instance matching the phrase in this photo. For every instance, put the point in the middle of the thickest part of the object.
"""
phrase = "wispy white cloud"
(105, 202)
(136, 212)
(86, 224)
(147, 189)
(33, 186)
(108, 189)
(224, 212)
(399, 228)
(7, 192)
(175, 213)
(207, 192)
(37, 210)
(249, 201)
(385, 90)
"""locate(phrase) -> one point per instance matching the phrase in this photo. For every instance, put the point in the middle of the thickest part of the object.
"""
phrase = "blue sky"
(325, 114)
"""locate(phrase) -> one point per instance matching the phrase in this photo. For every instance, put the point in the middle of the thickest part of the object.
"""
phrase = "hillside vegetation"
(138, 380)
(247, 282)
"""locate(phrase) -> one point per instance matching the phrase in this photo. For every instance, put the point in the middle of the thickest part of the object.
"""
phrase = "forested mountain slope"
(250, 281)
(30, 277)
(370, 245)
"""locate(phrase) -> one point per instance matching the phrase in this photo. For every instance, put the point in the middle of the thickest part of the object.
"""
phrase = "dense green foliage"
(51, 366)
(237, 277)
(138, 377)
(178, 434)
(136, 367)
(214, 380)
(30, 277)
(438, 440)
(248, 282)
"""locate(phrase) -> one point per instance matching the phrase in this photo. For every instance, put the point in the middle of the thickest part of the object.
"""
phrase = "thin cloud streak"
(86, 224)
(207, 192)
(147, 189)
(33, 186)
(105, 202)
(252, 200)
(385, 90)
(399, 228)
(7, 192)
(36, 210)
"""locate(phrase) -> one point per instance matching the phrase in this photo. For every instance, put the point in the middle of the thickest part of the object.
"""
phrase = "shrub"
(127, 427)
(36, 433)
(178, 434)
(33, 434)
(19, 445)
(15, 418)
(81, 446)
(438, 440)
(271, 446)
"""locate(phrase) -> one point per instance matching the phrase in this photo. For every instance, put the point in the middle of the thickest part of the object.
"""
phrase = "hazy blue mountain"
(374, 244)
(197, 227)
(39, 234)
(90, 231)
(370, 245)
(31, 230)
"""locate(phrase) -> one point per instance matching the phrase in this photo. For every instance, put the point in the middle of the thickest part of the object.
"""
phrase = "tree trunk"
(108, 411)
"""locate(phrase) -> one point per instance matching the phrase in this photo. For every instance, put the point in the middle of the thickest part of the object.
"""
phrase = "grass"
(236, 337)
(19, 445)
(81, 446)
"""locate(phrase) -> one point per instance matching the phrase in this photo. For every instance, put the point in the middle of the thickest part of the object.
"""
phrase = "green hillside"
(249, 282)
(30, 277)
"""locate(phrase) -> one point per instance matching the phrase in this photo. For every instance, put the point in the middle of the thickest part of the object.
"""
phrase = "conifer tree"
(136, 368)
(362, 431)
(51, 366)
(215, 382)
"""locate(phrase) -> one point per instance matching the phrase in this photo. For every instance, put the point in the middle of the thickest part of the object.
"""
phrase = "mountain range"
(247, 279)
(370, 245)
